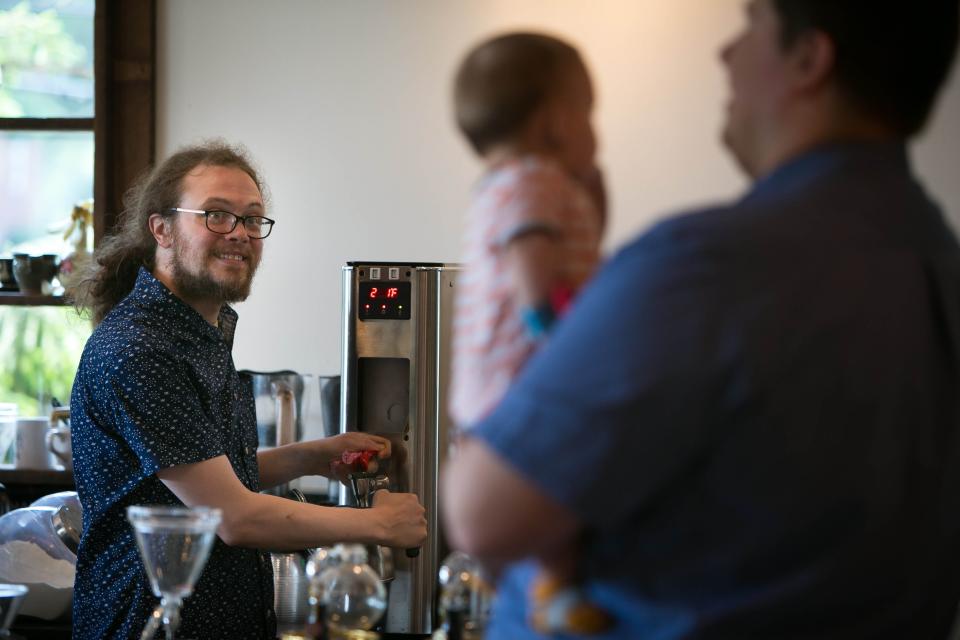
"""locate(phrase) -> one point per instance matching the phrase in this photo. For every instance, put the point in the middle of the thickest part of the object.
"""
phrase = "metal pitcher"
(265, 387)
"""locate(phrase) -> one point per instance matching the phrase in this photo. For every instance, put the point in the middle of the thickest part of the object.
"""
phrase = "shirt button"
(246, 451)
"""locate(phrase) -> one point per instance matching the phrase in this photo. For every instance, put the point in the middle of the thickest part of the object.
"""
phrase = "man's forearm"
(495, 514)
(253, 519)
(289, 462)
(278, 524)
(258, 520)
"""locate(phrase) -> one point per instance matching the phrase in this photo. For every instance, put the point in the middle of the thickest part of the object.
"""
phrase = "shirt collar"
(150, 292)
(798, 173)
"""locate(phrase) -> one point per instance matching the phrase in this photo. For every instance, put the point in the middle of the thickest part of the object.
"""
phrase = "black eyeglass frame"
(236, 220)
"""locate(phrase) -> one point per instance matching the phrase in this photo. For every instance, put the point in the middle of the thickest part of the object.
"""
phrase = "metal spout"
(364, 484)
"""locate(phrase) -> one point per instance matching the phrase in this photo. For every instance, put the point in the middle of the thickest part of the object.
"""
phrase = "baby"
(524, 103)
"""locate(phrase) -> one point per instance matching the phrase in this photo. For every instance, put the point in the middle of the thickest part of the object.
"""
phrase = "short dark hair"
(892, 57)
(504, 80)
(110, 276)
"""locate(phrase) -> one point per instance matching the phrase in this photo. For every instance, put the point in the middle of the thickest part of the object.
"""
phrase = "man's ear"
(162, 229)
(813, 58)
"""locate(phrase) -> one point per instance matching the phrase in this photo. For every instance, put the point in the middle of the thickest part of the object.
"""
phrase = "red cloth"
(358, 460)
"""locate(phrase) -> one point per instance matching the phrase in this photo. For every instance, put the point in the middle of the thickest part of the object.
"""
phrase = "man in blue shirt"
(160, 416)
(751, 416)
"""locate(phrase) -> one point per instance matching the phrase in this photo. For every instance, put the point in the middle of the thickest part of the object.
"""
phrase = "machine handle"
(365, 498)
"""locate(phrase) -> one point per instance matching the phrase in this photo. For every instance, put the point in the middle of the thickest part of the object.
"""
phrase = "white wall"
(345, 106)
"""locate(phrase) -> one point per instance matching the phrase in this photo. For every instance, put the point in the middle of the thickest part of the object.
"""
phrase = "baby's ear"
(554, 124)
(536, 134)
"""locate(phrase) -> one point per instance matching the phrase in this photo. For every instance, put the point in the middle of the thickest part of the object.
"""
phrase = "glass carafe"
(465, 598)
(352, 596)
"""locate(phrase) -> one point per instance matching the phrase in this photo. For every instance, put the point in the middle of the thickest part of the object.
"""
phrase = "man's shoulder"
(748, 228)
(129, 333)
(705, 252)
(687, 234)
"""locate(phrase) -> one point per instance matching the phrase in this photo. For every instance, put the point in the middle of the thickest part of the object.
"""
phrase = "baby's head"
(527, 93)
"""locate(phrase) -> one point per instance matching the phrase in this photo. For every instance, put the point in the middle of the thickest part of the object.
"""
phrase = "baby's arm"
(534, 261)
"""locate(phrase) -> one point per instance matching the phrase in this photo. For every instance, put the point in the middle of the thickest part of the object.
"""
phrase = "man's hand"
(400, 517)
(335, 446)
(317, 457)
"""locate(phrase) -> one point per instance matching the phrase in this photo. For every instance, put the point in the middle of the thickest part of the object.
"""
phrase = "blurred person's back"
(768, 392)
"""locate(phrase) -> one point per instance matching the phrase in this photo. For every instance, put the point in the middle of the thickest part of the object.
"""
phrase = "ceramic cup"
(58, 443)
(7, 281)
(34, 274)
(8, 435)
(30, 447)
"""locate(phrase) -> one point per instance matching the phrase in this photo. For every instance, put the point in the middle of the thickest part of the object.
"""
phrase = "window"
(76, 123)
(47, 99)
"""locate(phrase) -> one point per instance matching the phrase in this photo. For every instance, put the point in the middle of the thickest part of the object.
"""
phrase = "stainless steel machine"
(395, 367)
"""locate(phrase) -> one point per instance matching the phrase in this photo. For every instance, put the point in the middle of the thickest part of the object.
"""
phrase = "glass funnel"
(174, 544)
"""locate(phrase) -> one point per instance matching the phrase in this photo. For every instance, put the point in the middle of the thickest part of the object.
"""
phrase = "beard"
(201, 285)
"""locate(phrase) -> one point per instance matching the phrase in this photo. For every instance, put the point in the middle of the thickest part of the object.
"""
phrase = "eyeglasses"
(223, 222)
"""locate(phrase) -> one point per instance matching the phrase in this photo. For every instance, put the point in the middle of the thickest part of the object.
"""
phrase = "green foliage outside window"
(45, 343)
(46, 71)
(46, 59)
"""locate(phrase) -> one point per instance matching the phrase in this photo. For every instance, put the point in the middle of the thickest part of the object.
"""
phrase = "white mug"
(30, 447)
(58, 443)
(8, 435)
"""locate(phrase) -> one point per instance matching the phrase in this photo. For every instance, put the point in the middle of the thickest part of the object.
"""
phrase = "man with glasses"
(160, 416)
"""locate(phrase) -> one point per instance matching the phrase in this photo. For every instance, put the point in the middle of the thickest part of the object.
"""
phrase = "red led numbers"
(390, 293)
(384, 301)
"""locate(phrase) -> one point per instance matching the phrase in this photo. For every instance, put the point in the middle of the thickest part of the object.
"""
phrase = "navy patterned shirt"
(156, 388)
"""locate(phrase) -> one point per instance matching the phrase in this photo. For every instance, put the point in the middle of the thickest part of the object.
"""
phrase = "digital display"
(383, 300)
(387, 293)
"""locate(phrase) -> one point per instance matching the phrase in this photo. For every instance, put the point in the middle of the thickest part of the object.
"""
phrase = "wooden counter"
(11, 475)
(23, 486)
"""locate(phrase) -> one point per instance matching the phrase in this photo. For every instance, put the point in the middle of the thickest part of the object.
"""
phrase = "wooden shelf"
(47, 124)
(29, 300)
(10, 475)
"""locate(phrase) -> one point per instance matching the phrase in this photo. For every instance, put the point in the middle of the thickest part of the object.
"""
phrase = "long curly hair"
(112, 273)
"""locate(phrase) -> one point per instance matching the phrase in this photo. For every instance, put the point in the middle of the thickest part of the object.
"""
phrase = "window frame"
(124, 120)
